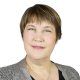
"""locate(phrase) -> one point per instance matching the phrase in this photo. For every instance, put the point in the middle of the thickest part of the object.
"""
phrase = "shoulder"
(8, 72)
(68, 72)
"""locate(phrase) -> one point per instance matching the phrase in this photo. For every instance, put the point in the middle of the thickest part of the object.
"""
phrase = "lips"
(38, 47)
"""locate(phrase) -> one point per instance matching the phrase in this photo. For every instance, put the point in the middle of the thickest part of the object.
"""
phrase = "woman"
(40, 29)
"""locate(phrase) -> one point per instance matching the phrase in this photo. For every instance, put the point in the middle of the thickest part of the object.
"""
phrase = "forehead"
(38, 19)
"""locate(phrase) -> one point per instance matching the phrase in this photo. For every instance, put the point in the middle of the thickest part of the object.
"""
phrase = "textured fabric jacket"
(19, 71)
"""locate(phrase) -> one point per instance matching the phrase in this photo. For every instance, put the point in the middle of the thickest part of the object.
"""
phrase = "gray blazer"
(19, 71)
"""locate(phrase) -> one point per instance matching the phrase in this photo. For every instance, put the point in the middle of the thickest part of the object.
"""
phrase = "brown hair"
(40, 12)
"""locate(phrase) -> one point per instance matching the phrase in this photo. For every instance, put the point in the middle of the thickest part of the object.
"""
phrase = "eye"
(31, 29)
(47, 31)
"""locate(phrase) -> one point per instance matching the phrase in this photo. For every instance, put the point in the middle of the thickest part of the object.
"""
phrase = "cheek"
(27, 37)
(50, 39)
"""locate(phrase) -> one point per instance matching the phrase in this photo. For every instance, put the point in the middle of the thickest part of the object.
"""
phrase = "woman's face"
(39, 39)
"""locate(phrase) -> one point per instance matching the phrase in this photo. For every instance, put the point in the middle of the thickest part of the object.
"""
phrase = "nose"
(38, 37)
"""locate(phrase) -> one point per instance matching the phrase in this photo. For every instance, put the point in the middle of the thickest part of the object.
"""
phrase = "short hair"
(39, 13)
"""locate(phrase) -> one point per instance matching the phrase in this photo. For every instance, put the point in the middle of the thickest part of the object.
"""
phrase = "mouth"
(38, 47)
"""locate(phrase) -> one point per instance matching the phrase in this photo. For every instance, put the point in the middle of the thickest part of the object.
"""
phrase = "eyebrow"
(47, 27)
(50, 27)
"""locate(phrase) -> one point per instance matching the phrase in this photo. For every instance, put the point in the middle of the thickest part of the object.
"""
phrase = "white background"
(67, 50)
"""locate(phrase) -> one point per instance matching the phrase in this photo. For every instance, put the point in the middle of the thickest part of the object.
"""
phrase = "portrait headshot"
(40, 29)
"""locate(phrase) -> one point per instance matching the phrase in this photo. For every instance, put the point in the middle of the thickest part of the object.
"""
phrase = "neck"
(40, 68)
(41, 64)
